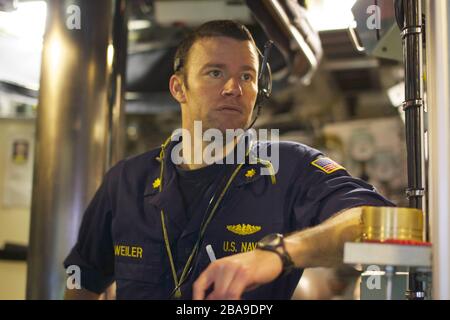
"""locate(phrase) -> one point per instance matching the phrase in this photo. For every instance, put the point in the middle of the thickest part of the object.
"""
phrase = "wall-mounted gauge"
(362, 145)
(383, 166)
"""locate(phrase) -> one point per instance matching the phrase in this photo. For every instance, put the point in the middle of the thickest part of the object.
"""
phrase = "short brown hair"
(215, 28)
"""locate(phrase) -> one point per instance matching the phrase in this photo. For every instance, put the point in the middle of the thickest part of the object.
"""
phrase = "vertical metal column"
(118, 52)
(438, 96)
(73, 132)
(413, 107)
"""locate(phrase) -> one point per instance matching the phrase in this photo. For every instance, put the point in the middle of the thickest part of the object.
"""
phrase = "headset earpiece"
(265, 76)
(264, 85)
(264, 81)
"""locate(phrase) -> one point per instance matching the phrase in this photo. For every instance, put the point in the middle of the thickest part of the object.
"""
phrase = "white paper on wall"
(18, 175)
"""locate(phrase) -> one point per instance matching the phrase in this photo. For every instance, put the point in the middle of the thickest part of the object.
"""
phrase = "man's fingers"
(233, 275)
(240, 282)
(223, 278)
(235, 288)
(203, 283)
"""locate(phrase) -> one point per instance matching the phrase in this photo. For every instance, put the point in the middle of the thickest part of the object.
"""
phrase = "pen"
(210, 251)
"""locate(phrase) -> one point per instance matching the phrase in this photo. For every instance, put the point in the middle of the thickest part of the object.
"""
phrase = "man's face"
(222, 83)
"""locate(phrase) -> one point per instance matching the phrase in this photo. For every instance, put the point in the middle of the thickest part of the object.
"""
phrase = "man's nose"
(232, 88)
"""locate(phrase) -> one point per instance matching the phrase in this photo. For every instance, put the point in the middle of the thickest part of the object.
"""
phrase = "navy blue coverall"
(121, 237)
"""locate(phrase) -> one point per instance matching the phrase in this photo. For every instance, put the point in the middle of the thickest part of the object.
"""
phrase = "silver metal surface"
(389, 272)
(355, 41)
(73, 133)
(412, 103)
(411, 30)
(438, 84)
(117, 63)
(415, 193)
(387, 254)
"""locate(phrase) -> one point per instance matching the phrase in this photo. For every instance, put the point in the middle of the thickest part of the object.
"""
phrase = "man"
(151, 221)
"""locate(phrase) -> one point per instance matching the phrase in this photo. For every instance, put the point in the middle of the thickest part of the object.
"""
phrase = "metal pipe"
(438, 96)
(413, 107)
(73, 127)
(117, 80)
(389, 273)
(276, 9)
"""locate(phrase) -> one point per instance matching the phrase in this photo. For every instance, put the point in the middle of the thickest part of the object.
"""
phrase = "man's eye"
(247, 77)
(215, 73)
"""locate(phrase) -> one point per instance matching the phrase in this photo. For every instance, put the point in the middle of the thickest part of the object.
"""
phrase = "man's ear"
(177, 88)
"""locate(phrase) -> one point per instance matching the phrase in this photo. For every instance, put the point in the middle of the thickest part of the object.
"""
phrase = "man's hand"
(320, 246)
(233, 275)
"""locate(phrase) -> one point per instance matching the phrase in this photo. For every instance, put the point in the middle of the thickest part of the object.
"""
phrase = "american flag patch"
(327, 165)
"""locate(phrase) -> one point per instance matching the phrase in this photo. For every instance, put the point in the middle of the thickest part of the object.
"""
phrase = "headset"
(264, 80)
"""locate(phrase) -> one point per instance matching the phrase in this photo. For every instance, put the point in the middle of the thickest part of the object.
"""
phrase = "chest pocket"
(140, 274)
(140, 281)
(152, 273)
(139, 262)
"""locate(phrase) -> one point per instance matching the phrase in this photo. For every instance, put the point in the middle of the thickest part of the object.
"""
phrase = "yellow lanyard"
(179, 282)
